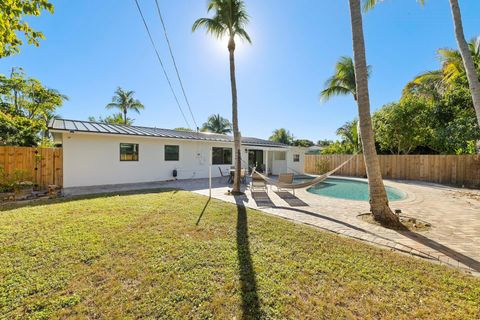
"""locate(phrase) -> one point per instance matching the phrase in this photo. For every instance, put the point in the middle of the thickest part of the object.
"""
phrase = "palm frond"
(229, 19)
(370, 4)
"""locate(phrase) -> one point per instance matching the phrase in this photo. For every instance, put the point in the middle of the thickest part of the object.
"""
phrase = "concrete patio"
(454, 238)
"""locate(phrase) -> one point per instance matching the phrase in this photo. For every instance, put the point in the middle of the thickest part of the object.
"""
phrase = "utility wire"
(174, 62)
(161, 63)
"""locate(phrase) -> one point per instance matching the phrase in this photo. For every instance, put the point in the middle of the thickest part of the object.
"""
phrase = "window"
(128, 152)
(296, 158)
(172, 153)
(221, 155)
(280, 155)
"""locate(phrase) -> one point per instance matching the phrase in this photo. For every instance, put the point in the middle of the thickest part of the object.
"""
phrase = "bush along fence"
(461, 170)
(25, 167)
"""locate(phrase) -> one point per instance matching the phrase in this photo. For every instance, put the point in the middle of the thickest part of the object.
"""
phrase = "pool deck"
(454, 238)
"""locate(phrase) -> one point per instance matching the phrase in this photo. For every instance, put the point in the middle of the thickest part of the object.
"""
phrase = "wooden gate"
(42, 166)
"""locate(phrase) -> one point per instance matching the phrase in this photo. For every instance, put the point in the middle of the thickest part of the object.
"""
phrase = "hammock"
(300, 185)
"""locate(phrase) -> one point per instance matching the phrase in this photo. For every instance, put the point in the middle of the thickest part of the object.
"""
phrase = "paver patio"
(454, 213)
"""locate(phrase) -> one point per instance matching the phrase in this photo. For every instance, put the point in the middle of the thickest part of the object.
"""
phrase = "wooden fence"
(43, 166)
(462, 170)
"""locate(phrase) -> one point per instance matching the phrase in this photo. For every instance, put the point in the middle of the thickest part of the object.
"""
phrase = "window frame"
(296, 157)
(136, 147)
(165, 152)
(224, 163)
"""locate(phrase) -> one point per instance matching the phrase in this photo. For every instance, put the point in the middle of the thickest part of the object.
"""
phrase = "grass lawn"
(144, 256)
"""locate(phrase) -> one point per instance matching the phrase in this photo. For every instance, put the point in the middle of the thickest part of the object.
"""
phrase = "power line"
(161, 63)
(174, 62)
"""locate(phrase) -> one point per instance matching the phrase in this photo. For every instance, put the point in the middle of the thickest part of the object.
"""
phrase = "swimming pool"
(350, 189)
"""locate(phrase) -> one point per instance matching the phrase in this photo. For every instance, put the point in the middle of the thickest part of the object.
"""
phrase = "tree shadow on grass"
(203, 211)
(248, 282)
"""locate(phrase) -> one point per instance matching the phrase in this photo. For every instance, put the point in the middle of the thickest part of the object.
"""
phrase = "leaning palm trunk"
(378, 196)
(236, 132)
(472, 76)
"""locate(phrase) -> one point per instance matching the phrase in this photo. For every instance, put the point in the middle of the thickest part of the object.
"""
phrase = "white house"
(102, 154)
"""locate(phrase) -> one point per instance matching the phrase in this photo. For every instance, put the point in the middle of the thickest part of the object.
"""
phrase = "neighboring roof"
(102, 128)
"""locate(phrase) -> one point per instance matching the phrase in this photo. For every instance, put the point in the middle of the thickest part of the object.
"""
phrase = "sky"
(92, 47)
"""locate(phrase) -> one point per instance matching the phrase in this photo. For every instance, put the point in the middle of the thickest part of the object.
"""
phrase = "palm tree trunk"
(125, 116)
(472, 76)
(378, 196)
(236, 132)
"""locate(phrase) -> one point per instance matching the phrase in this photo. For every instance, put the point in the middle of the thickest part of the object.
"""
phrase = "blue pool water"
(350, 189)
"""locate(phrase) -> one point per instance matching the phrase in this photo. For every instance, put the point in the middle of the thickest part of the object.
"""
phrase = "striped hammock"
(301, 185)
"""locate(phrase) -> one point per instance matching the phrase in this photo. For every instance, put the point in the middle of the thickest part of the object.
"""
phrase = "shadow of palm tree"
(452, 254)
(203, 211)
(248, 282)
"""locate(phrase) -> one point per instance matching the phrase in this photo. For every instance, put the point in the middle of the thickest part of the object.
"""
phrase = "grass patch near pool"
(176, 255)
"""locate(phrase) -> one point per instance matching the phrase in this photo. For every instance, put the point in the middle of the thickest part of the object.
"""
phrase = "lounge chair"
(285, 178)
(222, 174)
(258, 183)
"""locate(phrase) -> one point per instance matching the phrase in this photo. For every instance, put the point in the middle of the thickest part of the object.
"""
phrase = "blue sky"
(93, 46)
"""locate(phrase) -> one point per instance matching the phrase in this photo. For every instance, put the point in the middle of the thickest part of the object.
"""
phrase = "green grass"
(144, 256)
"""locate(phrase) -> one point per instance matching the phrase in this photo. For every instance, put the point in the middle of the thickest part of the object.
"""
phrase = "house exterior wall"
(92, 159)
(296, 167)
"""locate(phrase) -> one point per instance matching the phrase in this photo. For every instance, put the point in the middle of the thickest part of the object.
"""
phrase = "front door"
(255, 159)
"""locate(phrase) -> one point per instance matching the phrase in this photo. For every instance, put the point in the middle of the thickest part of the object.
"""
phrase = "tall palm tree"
(217, 124)
(282, 135)
(229, 19)
(468, 61)
(342, 82)
(123, 100)
(378, 196)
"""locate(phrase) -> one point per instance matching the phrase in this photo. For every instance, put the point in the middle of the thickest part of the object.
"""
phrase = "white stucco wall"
(93, 159)
(298, 167)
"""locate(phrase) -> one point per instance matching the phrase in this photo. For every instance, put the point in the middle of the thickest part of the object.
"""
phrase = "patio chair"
(258, 183)
(284, 178)
(222, 174)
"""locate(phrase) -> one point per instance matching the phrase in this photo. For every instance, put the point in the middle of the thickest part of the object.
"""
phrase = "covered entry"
(270, 161)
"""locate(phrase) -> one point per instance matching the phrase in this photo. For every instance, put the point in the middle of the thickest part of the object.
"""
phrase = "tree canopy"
(282, 135)
(26, 107)
(12, 14)
(217, 124)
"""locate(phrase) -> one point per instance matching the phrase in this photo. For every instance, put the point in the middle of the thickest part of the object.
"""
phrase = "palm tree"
(123, 100)
(229, 19)
(378, 196)
(217, 124)
(434, 83)
(452, 61)
(342, 82)
(468, 61)
(349, 134)
(282, 136)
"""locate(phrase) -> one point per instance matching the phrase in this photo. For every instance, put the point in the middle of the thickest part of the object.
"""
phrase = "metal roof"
(103, 128)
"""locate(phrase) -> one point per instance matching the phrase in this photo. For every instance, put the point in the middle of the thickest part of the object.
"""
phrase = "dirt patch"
(412, 224)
